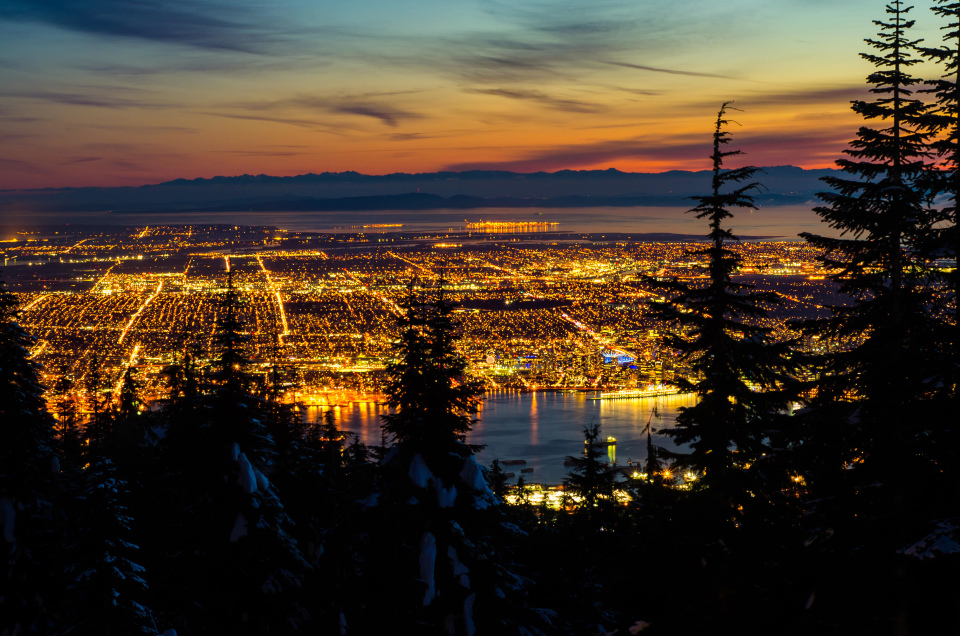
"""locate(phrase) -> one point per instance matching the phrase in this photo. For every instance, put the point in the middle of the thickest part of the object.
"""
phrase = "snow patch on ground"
(428, 559)
(446, 496)
(512, 527)
(459, 569)
(548, 615)
(248, 481)
(263, 483)
(239, 529)
(420, 475)
(472, 476)
(937, 543)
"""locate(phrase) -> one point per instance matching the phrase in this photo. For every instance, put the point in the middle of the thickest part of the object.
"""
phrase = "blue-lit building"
(619, 357)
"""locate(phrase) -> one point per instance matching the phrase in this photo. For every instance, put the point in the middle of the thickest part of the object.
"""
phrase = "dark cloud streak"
(201, 23)
(566, 105)
(544, 42)
(679, 150)
(838, 95)
(17, 165)
(84, 99)
(290, 121)
(369, 105)
(669, 71)
(264, 153)
(81, 160)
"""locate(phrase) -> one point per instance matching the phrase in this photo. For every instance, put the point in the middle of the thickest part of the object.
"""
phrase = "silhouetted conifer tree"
(872, 413)
(98, 404)
(69, 426)
(109, 592)
(28, 468)
(497, 477)
(740, 373)
(943, 240)
(230, 360)
(868, 443)
(234, 555)
(132, 426)
(591, 482)
(438, 552)
(432, 399)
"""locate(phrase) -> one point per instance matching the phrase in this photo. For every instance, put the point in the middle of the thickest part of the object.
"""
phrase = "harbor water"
(542, 428)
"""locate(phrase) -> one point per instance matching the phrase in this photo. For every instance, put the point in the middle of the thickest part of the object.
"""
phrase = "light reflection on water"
(542, 427)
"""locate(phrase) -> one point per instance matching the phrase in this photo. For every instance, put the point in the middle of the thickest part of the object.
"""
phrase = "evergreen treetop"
(944, 235)
(884, 356)
(432, 399)
(740, 373)
(590, 480)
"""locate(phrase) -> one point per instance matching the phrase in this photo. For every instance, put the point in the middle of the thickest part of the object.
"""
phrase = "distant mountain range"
(348, 191)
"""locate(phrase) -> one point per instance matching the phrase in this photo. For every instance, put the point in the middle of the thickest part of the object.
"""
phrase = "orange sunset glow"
(127, 95)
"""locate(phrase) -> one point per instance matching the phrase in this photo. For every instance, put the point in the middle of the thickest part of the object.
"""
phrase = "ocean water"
(544, 427)
(781, 222)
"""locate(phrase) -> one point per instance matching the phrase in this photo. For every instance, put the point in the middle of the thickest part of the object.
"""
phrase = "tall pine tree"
(234, 561)
(28, 467)
(740, 373)
(109, 592)
(436, 511)
(872, 413)
(591, 482)
(944, 236)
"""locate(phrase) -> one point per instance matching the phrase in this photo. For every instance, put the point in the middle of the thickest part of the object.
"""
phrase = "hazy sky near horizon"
(128, 92)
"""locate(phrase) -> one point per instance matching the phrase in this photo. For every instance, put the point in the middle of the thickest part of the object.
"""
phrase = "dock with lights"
(653, 390)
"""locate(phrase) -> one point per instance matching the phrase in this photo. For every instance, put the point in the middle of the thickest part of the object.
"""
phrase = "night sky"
(120, 92)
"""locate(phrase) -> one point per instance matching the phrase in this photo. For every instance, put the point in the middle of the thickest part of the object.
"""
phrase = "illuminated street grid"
(534, 311)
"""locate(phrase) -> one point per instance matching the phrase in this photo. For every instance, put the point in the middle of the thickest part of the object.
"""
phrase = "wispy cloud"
(379, 106)
(669, 71)
(70, 98)
(566, 105)
(184, 130)
(265, 153)
(639, 91)
(685, 150)
(806, 97)
(203, 24)
(130, 156)
(80, 160)
(290, 121)
(15, 137)
(22, 120)
(540, 42)
(411, 136)
(18, 165)
(389, 116)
